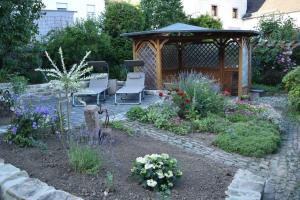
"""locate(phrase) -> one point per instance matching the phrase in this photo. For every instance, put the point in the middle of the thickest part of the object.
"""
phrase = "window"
(91, 10)
(214, 10)
(234, 13)
(61, 6)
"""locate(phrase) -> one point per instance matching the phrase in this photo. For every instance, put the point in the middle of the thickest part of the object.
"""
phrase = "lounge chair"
(135, 84)
(97, 86)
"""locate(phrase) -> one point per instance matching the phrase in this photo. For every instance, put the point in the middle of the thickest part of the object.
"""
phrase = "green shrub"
(121, 17)
(211, 123)
(292, 83)
(84, 159)
(135, 113)
(253, 138)
(83, 36)
(294, 97)
(239, 117)
(120, 126)
(19, 84)
(179, 129)
(156, 172)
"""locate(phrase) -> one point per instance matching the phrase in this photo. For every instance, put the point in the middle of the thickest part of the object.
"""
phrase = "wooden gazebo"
(225, 55)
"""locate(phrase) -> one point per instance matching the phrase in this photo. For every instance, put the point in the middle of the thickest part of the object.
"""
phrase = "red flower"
(161, 94)
(226, 93)
(187, 101)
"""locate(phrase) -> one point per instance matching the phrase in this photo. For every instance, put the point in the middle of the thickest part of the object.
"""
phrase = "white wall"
(80, 6)
(200, 7)
(251, 23)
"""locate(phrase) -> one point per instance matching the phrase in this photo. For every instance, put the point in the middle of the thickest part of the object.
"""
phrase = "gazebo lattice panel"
(200, 55)
(232, 55)
(169, 56)
(148, 55)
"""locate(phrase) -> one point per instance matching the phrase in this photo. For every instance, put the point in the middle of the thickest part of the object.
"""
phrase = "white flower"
(141, 160)
(160, 174)
(154, 156)
(165, 156)
(148, 166)
(169, 174)
(151, 183)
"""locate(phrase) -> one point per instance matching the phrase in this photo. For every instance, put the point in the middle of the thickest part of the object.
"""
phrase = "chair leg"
(104, 95)
(98, 101)
(73, 100)
(116, 99)
(140, 97)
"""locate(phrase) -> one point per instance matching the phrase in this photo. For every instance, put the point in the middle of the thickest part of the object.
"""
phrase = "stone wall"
(15, 184)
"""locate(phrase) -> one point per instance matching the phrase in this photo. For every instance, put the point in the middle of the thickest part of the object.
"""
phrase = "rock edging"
(15, 184)
(245, 185)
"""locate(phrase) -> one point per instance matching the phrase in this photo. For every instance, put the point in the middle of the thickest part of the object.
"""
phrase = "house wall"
(201, 7)
(252, 22)
(79, 6)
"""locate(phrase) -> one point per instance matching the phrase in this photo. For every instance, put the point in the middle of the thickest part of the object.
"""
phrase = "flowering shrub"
(201, 93)
(181, 100)
(156, 172)
(28, 123)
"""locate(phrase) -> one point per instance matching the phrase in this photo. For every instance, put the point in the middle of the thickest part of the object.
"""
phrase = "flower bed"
(201, 179)
(197, 105)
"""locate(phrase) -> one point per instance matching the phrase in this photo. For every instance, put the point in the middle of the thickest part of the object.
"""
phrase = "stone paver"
(116, 112)
(17, 185)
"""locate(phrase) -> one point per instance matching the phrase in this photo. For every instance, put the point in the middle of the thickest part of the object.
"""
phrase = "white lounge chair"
(135, 84)
(97, 86)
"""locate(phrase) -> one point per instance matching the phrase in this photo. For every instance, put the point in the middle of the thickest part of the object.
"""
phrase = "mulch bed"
(202, 179)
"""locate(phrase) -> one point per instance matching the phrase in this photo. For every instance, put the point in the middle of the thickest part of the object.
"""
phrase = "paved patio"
(116, 112)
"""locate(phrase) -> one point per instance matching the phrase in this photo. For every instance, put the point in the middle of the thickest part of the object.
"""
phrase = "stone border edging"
(245, 185)
(15, 184)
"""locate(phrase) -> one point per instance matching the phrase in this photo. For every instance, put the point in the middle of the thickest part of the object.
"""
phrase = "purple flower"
(18, 112)
(42, 110)
(34, 125)
(14, 130)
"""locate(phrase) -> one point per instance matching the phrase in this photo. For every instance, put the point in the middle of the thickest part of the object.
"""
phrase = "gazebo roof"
(186, 28)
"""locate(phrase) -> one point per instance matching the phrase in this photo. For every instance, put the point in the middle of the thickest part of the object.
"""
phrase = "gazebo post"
(222, 61)
(134, 50)
(240, 88)
(249, 65)
(158, 64)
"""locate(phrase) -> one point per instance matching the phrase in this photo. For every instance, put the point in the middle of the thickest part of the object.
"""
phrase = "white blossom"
(151, 183)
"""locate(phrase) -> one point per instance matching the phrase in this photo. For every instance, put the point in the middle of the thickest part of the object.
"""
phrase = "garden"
(115, 160)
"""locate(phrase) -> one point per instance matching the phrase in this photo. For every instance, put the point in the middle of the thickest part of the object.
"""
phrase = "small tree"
(159, 13)
(206, 21)
(69, 80)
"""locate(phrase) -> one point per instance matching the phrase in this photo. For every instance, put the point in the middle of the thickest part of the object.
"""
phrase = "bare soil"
(202, 179)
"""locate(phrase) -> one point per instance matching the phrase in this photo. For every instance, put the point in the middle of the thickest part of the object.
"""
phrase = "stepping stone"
(7, 170)
(58, 195)
(28, 189)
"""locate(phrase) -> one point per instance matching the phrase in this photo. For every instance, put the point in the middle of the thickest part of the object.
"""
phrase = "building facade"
(61, 13)
(230, 12)
(263, 8)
